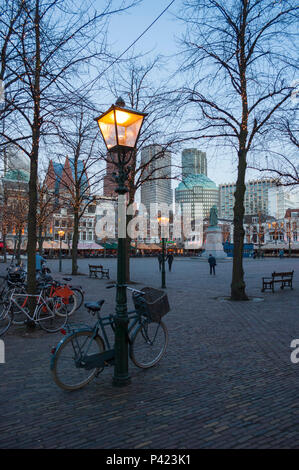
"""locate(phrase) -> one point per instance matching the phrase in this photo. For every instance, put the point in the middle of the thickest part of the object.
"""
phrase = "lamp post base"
(121, 381)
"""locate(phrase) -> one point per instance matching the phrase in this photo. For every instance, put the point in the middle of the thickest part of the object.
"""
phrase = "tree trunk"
(238, 284)
(33, 190)
(75, 244)
(18, 257)
(14, 255)
(4, 248)
(40, 241)
(32, 238)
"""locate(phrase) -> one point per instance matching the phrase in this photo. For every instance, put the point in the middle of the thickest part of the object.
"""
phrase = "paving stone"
(226, 381)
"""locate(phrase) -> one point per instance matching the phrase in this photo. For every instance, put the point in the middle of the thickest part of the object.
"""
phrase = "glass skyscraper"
(157, 176)
(194, 162)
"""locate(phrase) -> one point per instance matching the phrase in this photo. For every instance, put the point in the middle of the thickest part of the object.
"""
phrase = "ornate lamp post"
(61, 234)
(163, 221)
(120, 128)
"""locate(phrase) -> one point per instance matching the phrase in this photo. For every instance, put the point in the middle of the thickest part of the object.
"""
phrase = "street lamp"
(61, 234)
(163, 221)
(289, 234)
(120, 128)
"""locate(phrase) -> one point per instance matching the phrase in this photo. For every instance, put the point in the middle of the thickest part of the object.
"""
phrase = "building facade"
(194, 162)
(156, 188)
(60, 183)
(256, 198)
(280, 199)
(196, 194)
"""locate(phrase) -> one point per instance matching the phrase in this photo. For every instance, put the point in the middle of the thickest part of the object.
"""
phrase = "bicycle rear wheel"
(66, 306)
(3, 286)
(149, 344)
(48, 319)
(80, 296)
(6, 317)
(66, 371)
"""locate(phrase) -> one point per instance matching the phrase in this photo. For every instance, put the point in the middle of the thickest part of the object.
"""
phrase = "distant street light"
(163, 221)
(61, 235)
(120, 128)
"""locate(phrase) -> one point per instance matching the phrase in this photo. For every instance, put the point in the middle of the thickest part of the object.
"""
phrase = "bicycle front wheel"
(6, 317)
(48, 319)
(149, 344)
(66, 369)
(20, 316)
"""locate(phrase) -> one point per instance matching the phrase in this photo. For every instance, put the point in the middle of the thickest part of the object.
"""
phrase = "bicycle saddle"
(94, 306)
(67, 279)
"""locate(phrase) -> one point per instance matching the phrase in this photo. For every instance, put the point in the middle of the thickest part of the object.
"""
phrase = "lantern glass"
(120, 127)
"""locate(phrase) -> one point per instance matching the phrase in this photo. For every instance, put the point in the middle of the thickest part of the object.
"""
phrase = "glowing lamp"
(120, 127)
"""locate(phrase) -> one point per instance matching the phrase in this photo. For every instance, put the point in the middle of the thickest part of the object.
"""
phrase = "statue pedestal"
(213, 244)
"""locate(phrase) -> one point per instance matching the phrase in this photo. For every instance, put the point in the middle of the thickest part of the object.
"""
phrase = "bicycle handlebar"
(128, 287)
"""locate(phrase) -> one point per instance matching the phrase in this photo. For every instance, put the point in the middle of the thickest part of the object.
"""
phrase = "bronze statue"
(214, 216)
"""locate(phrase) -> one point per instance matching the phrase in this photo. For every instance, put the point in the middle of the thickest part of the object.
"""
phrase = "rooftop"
(192, 181)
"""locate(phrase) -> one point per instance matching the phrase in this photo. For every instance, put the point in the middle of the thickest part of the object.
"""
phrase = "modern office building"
(280, 199)
(256, 198)
(194, 162)
(196, 194)
(156, 175)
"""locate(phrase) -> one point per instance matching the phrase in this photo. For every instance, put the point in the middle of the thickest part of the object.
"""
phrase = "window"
(91, 209)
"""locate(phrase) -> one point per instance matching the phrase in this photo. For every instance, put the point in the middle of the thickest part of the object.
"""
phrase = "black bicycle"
(84, 352)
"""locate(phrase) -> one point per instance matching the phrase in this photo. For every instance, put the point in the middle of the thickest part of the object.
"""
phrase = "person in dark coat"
(170, 260)
(160, 259)
(212, 263)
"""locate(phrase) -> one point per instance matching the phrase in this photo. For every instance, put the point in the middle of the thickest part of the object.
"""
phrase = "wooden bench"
(94, 270)
(285, 279)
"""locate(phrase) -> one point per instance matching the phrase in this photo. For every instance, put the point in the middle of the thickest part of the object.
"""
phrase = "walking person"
(160, 259)
(170, 260)
(39, 261)
(212, 263)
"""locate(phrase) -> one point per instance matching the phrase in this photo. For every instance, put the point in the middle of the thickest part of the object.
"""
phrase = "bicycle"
(78, 292)
(84, 352)
(44, 315)
(69, 300)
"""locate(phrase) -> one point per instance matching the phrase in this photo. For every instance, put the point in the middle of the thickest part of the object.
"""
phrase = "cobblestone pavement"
(226, 382)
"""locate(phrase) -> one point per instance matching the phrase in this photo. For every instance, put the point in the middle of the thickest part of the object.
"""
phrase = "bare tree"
(140, 91)
(241, 59)
(282, 165)
(82, 172)
(46, 207)
(42, 59)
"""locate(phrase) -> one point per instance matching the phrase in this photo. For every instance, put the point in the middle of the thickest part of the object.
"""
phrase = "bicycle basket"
(154, 304)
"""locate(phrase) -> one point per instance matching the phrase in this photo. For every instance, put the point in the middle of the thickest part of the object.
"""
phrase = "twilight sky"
(162, 39)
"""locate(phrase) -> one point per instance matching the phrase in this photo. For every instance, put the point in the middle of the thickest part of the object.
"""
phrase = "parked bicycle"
(15, 310)
(84, 352)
